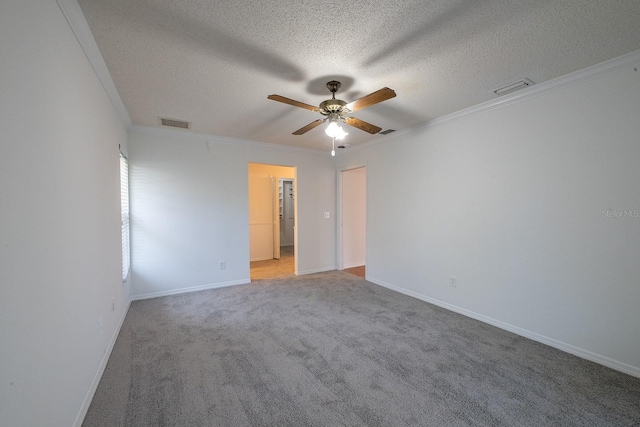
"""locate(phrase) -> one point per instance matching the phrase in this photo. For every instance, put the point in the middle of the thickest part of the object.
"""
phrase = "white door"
(354, 217)
(260, 218)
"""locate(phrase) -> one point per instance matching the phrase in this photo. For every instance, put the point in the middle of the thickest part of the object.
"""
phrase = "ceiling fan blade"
(310, 126)
(371, 99)
(292, 102)
(362, 125)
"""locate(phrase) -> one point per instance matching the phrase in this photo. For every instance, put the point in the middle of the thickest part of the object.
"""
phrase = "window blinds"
(124, 213)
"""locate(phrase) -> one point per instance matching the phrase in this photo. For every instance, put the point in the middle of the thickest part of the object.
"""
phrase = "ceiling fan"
(336, 110)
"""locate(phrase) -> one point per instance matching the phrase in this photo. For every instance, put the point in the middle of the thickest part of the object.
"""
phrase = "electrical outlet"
(113, 303)
(453, 281)
(223, 265)
(327, 215)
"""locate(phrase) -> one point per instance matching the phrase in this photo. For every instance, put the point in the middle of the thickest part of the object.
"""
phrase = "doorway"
(354, 220)
(272, 210)
(287, 212)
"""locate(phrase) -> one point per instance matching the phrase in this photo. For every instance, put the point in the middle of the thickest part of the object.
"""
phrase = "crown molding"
(602, 69)
(559, 83)
(78, 23)
(203, 137)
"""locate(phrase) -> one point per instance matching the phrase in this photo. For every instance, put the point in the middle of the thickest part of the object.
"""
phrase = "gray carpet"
(331, 349)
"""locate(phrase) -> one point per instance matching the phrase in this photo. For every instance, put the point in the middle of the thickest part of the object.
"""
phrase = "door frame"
(295, 206)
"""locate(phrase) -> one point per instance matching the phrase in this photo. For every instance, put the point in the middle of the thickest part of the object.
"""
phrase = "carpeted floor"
(331, 349)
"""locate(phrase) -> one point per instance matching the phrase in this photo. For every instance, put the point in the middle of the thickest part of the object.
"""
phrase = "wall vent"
(384, 132)
(512, 87)
(175, 123)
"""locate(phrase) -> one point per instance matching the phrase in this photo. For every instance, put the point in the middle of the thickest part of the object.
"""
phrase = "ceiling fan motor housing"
(333, 106)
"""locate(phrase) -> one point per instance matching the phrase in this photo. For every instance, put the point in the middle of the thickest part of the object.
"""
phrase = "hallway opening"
(272, 218)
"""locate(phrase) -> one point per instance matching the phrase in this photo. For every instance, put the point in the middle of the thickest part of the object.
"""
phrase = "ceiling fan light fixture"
(334, 130)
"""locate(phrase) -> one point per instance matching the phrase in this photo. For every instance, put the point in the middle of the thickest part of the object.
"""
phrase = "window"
(124, 214)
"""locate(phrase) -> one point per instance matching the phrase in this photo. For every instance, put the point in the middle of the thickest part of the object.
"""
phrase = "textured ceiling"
(213, 62)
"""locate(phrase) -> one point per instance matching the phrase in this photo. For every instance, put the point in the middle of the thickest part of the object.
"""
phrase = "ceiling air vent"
(175, 123)
(520, 84)
(384, 132)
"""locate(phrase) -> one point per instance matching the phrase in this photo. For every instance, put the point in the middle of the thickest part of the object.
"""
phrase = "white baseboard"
(98, 376)
(316, 270)
(568, 348)
(191, 289)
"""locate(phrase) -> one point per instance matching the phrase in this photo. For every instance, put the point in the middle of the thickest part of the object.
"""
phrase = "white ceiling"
(213, 62)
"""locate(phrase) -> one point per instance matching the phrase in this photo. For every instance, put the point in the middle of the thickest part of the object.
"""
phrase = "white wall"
(189, 209)
(510, 200)
(354, 217)
(60, 257)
